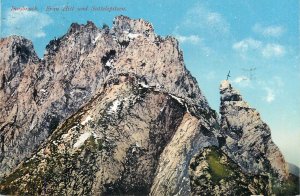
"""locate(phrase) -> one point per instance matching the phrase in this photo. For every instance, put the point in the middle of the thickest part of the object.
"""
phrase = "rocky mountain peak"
(228, 93)
(115, 111)
(77, 27)
(247, 138)
(18, 48)
(17, 58)
(75, 68)
(124, 23)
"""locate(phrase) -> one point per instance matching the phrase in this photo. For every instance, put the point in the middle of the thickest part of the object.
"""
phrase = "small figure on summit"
(228, 75)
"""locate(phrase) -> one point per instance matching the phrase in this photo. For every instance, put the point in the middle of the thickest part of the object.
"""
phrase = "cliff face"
(125, 139)
(247, 138)
(115, 111)
(212, 172)
(37, 95)
(19, 65)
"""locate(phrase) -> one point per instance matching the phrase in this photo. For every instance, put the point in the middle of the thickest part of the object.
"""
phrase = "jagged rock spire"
(248, 138)
(228, 93)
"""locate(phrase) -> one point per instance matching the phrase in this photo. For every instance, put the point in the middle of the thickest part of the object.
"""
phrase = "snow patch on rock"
(180, 100)
(143, 85)
(96, 38)
(82, 138)
(109, 63)
(133, 35)
(115, 106)
(86, 120)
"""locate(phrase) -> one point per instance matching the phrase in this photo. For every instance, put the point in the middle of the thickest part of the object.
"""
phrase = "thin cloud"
(266, 50)
(270, 95)
(242, 81)
(247, 44)
(273, 50)
(193, 39)
(208, 24)
(272, 88)
(202, 18)
(268, 31)
(30, 24)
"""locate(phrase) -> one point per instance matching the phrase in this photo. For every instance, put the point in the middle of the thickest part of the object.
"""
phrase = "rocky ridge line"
(247, 138)
(40, 94)
(120, 114)
(118, 143)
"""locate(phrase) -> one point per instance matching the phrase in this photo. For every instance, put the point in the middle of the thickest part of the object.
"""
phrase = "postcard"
(132, 97)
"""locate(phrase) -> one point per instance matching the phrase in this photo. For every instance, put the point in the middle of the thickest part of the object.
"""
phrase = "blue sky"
(257, 40)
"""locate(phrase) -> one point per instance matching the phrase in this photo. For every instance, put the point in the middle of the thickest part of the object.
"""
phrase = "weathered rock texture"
(247, 138)
(212, 172)
(114, 145)
(37, 95)
(172, 172)
(115, 111)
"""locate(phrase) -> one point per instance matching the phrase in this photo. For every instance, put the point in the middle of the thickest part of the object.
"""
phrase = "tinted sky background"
(257, 40)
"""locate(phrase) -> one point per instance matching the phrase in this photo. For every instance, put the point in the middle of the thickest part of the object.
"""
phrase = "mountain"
(247, 138)
(37, 95)
(115, 111)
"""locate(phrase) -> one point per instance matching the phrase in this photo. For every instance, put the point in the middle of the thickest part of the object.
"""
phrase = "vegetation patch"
(218, 170)
(93, 144)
